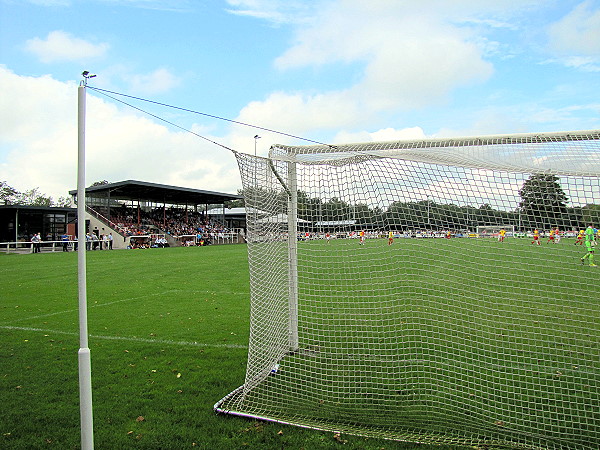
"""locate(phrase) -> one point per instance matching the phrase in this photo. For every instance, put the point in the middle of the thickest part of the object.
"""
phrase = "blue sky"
(328, 70)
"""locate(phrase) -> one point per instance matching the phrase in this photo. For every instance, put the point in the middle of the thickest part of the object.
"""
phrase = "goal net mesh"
(495, 230)
(430, 336)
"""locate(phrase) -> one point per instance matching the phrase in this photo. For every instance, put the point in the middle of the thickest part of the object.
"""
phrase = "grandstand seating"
(172, 222)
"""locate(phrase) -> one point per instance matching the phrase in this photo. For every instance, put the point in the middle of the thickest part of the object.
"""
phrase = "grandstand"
(132, 209)
(134, 212)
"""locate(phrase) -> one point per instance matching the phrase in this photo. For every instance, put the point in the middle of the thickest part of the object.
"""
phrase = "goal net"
(373, 313)
(495, 230)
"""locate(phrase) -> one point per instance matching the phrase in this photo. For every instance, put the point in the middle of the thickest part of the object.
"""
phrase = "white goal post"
(448, 340)
(489, 231)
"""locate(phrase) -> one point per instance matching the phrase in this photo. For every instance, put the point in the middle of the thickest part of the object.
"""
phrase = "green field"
(464, 340)
(168, 338)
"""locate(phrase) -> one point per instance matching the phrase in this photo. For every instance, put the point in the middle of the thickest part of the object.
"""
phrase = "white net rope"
(407, 327)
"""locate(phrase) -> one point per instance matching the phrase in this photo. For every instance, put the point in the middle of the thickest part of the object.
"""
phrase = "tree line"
(34, 197)
(543, 205)
(31, 197)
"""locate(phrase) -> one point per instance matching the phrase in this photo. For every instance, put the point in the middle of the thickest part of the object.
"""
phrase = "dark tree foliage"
(8, 194)
(31, 197)
(238, 203)
(99, 183)
(590, 215)
(544, 203)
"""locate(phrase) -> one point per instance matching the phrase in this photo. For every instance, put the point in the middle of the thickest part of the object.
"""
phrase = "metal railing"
(28, 247)
(232, 237)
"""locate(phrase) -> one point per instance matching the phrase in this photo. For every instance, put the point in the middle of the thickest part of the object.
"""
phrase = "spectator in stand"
(175, 221)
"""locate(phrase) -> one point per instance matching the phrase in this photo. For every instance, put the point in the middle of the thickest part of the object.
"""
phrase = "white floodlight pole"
(256, 138)
(85, 367)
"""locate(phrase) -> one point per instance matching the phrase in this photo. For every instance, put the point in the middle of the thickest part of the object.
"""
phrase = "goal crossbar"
(535, 152)
(500, 139)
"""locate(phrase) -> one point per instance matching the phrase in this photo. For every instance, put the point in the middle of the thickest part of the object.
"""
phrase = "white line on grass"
(92, 306)
(116, 301)
(128, 339)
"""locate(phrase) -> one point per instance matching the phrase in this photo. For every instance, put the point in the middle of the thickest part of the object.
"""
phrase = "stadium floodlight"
(256, 138)
(87, 75)
(445, 340)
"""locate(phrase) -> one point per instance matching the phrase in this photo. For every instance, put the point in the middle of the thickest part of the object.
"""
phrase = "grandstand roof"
(159, 193)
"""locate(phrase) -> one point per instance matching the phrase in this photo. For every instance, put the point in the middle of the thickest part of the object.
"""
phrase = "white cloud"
(60, 46)
(385, 134)
(38, 143)
(412, 57)
(124, 77)
(406, 56)
(298, 113)
(583, 63)
(578, 32)
(158, 81)
(410, 60)
(274, 11)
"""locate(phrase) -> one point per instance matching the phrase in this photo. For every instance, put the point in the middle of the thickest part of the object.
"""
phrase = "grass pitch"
(469, 339)
(168, 338)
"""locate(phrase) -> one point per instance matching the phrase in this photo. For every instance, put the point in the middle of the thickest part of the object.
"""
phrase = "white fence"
(233, 237)
(222, 237)
(27, 247)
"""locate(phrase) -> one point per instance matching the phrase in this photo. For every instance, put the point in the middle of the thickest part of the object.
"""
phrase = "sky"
(332, 71)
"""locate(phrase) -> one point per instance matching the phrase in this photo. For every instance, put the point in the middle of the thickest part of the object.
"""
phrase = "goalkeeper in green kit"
(590, 244)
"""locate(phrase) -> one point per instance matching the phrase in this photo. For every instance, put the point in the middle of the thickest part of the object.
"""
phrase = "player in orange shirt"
(580, 237)
(536, 237)
(362, 237)
(501, 235)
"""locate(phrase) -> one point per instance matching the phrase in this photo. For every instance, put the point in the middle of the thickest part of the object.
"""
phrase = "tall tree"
(543, 202)
(99, 183)
(238, 203)
(34, 197)
(8, 194)
(590, 214)
(31, 197)
(335, 209)
(64, 202)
